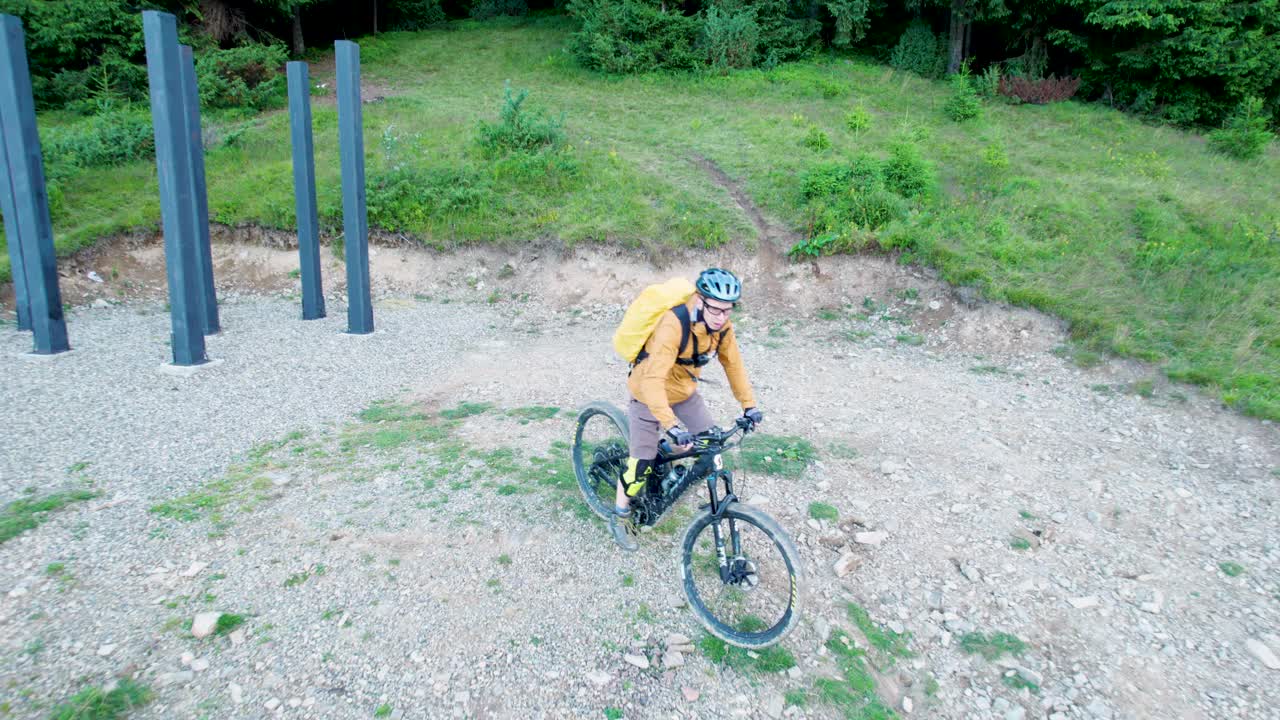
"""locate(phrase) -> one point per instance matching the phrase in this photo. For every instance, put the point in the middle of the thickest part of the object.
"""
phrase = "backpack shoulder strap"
(682, 314)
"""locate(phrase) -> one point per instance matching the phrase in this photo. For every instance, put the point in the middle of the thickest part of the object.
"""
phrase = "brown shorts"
(645, 429)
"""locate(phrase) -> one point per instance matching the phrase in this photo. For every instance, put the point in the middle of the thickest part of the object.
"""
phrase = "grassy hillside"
(1148, 243)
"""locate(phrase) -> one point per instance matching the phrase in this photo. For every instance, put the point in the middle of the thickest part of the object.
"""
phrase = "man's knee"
(636, 476)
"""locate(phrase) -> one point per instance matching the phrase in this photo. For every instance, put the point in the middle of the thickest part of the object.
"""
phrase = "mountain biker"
(664, 387)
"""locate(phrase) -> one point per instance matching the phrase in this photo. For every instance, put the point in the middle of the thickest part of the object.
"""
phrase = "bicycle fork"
(735, 541)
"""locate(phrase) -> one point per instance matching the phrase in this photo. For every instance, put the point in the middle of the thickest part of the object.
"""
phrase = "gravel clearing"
(107, 403)
(428, 559)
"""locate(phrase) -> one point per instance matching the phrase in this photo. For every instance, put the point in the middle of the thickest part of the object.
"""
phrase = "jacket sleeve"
(734, 368)
(651, 387)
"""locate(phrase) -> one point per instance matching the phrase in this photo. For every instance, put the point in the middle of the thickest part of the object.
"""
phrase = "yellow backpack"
(644, 312)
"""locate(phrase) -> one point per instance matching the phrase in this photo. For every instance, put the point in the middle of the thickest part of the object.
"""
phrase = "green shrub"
(730, 39)
(920, 51)
(816, 140)
(247, 77)
(987, 85)
(111, 138)
(630, 36)
(963, 103)
(858, 120)
(826, 179)
(411, 15)
(486, 9)
(519, 130)
(875, 208)
(907, 172)
(995, 157)
(1244, 135)
(407, 198)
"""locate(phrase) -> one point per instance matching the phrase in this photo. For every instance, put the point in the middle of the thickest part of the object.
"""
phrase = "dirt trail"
(1126, 532)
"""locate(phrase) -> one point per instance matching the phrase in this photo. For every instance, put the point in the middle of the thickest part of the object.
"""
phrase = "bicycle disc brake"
(743, 574)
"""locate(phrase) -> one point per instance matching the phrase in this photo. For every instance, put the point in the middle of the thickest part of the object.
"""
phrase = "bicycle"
(743, 578)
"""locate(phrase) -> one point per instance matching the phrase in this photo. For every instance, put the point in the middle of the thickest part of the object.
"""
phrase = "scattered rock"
(639, 661)
(1083, 603)
(199, 665)
(272, 704)
(889, 467)
(672, 659)
(195, 569)
(17, 592)
(1263, 653)
(295, 702)
(677, 639)
(175, 678)
(1098, 709)
(237, 693)
(846, 564)
(870, 538)
(100, 304)
(1016, 714)
(970, 573)
(690, 694)
(1031, 676)
(237, 636)
(1154, 602)
(187, 657)
(823, 628)
(204, 624)
(775, 706)
(907, 705)
(106, 650)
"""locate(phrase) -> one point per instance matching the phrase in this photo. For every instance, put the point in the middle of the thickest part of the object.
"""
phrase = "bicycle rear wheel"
(759, 602)
(600, 452)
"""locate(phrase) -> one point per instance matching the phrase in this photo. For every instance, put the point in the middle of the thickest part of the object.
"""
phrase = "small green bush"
(875, 208)
(816, 140)
(487, 9)
(907, 172)
(964, 103)
(1244, 136)
(730, 39)
(248, 77)
(633, 36)
(406, 198)
(920, 51)
(411, 15)
(858, 120)
(519, 130)
(987, 84)
(111, 138)
(826, 179)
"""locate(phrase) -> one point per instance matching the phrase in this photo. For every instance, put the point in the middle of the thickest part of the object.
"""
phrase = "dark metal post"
(355, 221)
(304, 190)
(26, 187)
(207, 295)
(16, 267)
(173, 167)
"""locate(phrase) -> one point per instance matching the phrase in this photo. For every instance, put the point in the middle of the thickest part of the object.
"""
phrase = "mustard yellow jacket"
(659, 382)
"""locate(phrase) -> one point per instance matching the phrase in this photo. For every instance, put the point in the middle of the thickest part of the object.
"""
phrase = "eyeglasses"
(716, 311)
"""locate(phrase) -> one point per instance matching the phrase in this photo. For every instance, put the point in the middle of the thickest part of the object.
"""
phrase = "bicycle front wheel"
(754, 600)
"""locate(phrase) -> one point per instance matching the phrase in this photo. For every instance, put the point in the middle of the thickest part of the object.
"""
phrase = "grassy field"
(1146, 242)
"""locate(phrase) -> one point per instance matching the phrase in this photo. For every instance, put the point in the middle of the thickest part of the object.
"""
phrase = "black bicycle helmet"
(719, 285)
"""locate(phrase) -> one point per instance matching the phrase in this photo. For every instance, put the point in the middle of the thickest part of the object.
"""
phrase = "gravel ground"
(381, 568)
